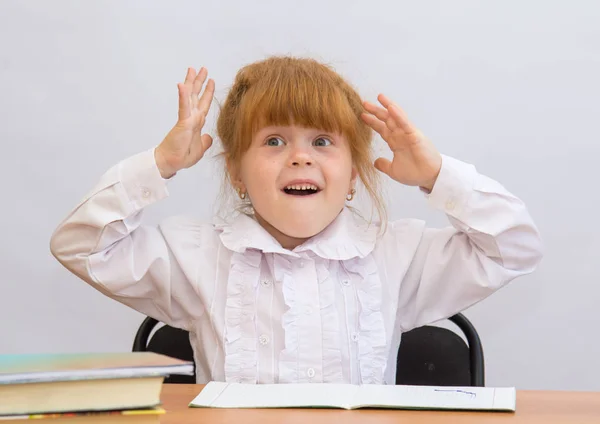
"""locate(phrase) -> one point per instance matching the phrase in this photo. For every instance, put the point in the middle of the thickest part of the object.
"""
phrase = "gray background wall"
(510, 86)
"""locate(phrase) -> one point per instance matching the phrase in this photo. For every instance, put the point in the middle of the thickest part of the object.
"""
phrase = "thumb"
(206, 141)
(199, 147)
(384, 165)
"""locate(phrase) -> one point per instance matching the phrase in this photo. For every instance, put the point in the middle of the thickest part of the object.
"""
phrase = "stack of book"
(125, 384)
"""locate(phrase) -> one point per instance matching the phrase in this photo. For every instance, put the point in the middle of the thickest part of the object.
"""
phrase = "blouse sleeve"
(103, 242)
(491, 241)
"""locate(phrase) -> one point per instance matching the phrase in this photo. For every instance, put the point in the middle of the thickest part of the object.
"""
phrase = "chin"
(302, 232)
(301, 227)
(297, 222)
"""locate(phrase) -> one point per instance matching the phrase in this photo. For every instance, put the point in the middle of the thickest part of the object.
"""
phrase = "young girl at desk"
(296, 287)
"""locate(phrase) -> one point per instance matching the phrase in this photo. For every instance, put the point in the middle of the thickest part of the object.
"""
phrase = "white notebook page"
(235, 395)
(347, 396)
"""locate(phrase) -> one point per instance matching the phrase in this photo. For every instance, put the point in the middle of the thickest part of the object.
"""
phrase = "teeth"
(302, 187)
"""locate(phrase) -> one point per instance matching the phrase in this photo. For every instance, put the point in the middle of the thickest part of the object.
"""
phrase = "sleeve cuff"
(453, 187)
(142, 180)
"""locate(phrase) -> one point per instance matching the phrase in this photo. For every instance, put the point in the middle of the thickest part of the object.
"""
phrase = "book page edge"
(209, 394)
(505, 399)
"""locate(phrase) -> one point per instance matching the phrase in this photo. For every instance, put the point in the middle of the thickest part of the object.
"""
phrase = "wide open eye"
(274, 141)
(322, 142)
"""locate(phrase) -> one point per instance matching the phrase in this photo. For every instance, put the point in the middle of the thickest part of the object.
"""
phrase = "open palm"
(185, 144)
(416, 161)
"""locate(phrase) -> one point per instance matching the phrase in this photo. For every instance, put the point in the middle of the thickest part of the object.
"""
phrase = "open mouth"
(301, 190)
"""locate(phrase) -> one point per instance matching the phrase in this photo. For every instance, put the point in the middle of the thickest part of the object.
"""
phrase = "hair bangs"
(309, 100)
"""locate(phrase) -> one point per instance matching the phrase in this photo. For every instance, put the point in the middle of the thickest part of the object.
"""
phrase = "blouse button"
(301, 264)
(346, 282)
(263, 339)
(266, 283)
(354, 337)
(145, 192)
(310, 373)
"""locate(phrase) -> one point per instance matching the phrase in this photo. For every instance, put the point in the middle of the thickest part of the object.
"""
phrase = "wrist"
(163, 167)
(427, 187)
(429, 184)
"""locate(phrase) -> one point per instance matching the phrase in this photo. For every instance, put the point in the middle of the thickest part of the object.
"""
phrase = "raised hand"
(416, 161)
(184, 145)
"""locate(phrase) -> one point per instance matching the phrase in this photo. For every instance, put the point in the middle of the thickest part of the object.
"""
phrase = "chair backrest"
(427, 355)
(169, 341)
(436, 356)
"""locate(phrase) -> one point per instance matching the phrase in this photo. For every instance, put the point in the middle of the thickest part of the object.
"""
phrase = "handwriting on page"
(425, 397)
(472, 395)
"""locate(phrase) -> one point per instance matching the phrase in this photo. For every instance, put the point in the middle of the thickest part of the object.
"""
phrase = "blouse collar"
(347, 237)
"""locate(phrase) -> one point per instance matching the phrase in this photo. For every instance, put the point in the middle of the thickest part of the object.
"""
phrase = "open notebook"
(347, 396)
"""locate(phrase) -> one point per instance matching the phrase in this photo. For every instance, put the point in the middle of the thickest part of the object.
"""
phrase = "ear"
(234, 175)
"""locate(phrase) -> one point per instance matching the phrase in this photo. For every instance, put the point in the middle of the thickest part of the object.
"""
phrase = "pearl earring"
(350, 196)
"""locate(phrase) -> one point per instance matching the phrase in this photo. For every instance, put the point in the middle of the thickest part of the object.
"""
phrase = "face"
(297, 180)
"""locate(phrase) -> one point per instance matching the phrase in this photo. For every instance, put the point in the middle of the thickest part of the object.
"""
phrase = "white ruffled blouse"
(332, 310)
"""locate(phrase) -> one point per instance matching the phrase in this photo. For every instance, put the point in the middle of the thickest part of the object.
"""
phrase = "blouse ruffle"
(240, 331)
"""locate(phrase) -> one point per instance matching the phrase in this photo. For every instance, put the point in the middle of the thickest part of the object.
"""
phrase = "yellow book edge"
(145, 411)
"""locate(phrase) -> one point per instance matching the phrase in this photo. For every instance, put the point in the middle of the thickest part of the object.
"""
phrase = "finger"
(384, 165)
(207, 97)
(184, 101)
(396, 113)
(384, 100)
(184, 94)
(199, 82)
(382, 114)
(377, 124)
(378, 111)
(189, 77)
(399, 118)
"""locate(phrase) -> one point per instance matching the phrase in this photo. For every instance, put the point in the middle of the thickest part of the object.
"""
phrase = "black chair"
(435, 356)
(169, 341)
(428, 355)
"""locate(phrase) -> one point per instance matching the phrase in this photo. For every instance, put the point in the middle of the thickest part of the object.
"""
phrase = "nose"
(299, 157)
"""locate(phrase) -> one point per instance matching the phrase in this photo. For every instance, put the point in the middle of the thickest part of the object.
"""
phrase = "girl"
(299, 289)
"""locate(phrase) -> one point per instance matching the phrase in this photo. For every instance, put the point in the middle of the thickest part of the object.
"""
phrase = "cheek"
(341, 181)
(259, 176)
(338, 172)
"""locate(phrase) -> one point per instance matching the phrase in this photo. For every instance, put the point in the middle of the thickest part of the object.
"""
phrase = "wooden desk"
(532, 407)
